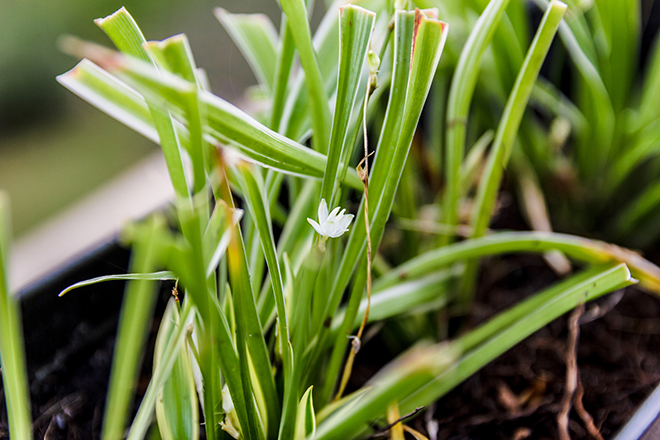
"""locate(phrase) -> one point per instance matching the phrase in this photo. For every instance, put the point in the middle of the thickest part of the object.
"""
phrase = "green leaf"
(136, 314)
(414, 68)
(218, 233)
(256, 37)
(648, 108)
(296, 13)
(508, 328)
(427, 372)
(619, 24)
(253, 189)
(110, 95)
(403, 376)
(462, 88)
(507, 130)
(595, 144)
(127, 36)
(305, 419)
(175, 55)
(12, 352)
(174, 330)
(226, 123)
(154, 276)
(296, 119)
(282, 73)
(404, 297)
(644, 146)
(250, 339)
(631, 215)
(176, 406)
(510, 122)
(356, 25)
(578, 248)
(215, 341)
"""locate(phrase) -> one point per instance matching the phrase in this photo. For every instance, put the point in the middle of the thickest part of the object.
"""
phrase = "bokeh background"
(55, 148)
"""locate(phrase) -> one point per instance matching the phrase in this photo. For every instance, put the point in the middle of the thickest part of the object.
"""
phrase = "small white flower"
(331, 225)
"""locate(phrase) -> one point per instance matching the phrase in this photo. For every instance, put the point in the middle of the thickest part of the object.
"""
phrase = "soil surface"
(618, 362)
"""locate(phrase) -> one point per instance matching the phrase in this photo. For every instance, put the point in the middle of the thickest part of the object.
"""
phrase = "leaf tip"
(100, 22)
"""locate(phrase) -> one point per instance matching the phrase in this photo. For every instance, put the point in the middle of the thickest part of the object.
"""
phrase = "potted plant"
(271, 302)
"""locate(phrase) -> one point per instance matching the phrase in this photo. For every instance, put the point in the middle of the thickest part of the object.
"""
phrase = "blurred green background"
(54, 148)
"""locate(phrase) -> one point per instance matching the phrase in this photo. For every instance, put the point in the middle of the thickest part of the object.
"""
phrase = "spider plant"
(269, 311)
(590, 147)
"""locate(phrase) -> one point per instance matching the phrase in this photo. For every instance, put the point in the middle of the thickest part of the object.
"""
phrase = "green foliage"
(12, 353)
(262, 332)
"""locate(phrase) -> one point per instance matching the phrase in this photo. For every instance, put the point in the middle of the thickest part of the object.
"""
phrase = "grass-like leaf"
(253, 189)
(154, 276)
(176, 407)
(127, 36)
(250, 339)
(296, 13)
(12, 352)
(226, 123)
(306, 420)
(136, 313)
(458, 104)
(506, 132)
(578, 248)
(256, 37)
(356, 25)
(406, 374)
(428, 38)
(507, 329)
(172, 336)
(175, 55)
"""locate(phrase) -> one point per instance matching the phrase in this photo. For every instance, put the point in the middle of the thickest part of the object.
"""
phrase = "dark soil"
(618, 361)
(69, 348)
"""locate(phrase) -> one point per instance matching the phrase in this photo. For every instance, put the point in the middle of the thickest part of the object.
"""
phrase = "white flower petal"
(345, 221)
(227, 404)
(323, 211)
(316, 226)
(333, 215)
